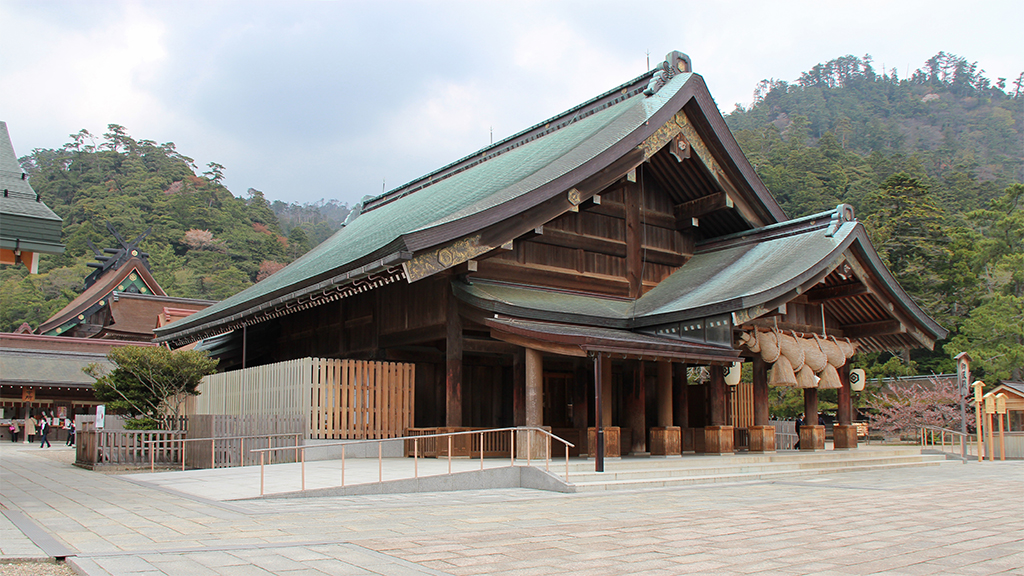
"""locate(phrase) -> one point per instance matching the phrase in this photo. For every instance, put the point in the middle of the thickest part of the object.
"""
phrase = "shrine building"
(570, 275)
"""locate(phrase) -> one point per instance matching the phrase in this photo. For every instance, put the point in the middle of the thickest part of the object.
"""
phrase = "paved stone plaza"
(947, 519)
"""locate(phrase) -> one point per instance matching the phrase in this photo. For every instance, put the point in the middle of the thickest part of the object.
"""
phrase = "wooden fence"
(236, 436)
(126, 449)
(335, 399)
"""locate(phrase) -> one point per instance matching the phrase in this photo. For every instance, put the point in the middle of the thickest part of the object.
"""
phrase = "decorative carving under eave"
(447, 256)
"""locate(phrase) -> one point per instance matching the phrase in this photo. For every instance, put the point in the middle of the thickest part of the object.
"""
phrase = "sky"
(318, 100)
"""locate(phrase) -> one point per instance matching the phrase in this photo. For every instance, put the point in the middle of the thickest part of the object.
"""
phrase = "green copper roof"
(497, 178)
(741, 275)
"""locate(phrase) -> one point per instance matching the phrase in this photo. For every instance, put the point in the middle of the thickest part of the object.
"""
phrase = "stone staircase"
(632, 473)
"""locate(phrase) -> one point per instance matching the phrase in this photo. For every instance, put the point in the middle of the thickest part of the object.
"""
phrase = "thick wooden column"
(606, 392)
(453, 365)
(718, 437)
(534, 388)
(634, 238)
(666, 439)
(636, 414)
(716, 387)
(762, 433)
(844, 433)
(812, 436)
(519, 387)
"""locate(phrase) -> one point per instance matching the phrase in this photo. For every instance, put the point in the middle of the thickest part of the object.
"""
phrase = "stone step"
(701, 460)
(723, 467)
(765, 473)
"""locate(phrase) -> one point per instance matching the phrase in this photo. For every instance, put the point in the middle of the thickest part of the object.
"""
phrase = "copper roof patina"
(478, 191)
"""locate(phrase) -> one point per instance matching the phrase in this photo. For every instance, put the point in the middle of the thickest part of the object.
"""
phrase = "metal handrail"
(213, 445)
(928, 434)
(416, 439)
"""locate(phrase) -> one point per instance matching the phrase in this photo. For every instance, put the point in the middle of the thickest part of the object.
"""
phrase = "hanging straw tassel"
(836, 357)
(750, 341)
(791, 350)
(782, 373)
(848, 348)
(805, 378)
(814, 358)
(769, 345)
(829, 378)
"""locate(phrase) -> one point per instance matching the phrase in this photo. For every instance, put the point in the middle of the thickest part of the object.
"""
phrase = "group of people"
(41, 426)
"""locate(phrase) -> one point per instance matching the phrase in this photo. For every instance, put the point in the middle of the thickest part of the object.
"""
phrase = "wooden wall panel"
(336, 399)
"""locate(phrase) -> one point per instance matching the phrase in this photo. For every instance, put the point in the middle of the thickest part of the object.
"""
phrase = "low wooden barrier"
(127, 449)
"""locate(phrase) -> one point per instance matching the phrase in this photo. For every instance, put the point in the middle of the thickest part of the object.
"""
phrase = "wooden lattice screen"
(337, 399)
(743, 406)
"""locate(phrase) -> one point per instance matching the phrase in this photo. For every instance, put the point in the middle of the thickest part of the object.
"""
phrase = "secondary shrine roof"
(26, 223)
(753, 270)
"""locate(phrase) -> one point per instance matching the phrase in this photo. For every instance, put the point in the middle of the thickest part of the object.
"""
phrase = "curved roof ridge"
(566, 118)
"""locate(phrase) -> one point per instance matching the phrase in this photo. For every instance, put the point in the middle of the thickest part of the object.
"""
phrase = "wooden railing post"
(342, 466)
(512, 445)
(261, 473)
(303, 469)
(415, 457)
(481, 451)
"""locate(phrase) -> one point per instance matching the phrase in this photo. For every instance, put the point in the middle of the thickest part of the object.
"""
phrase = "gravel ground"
(31, 568)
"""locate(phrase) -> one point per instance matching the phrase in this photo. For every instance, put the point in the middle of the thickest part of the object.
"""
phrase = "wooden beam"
(560, 349)
(618, 210)
(481, 346)
(507, 271)
(415, 336)
(820, 294)
(702, 206)
(872, 329)
(563, 239)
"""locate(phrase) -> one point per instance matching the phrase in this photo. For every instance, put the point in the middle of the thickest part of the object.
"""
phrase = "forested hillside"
(933, 166)
(205, 243)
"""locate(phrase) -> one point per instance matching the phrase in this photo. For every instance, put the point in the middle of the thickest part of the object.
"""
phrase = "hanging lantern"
(857, 379)
(732, 373)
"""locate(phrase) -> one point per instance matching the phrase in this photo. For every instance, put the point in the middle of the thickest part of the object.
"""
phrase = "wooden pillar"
(716, 387)
(666, 439)
(634, 237)
(812, 436)
(762, 433)
(453, 365)
(636, 417)
(606, 391)
(534, 387)
(844, 433)
(519, 387)
(664, 393)
(718, 437)
(680, 394)
(598, 444)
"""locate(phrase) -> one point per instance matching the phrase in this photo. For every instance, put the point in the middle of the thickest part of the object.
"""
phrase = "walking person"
(44, 429)
(30, 429)
(15, 429)
(71, 432)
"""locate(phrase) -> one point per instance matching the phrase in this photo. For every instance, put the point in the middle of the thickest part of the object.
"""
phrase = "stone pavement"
(950, 519)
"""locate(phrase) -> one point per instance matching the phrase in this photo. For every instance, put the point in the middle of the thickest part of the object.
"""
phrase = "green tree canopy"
(150, 382)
